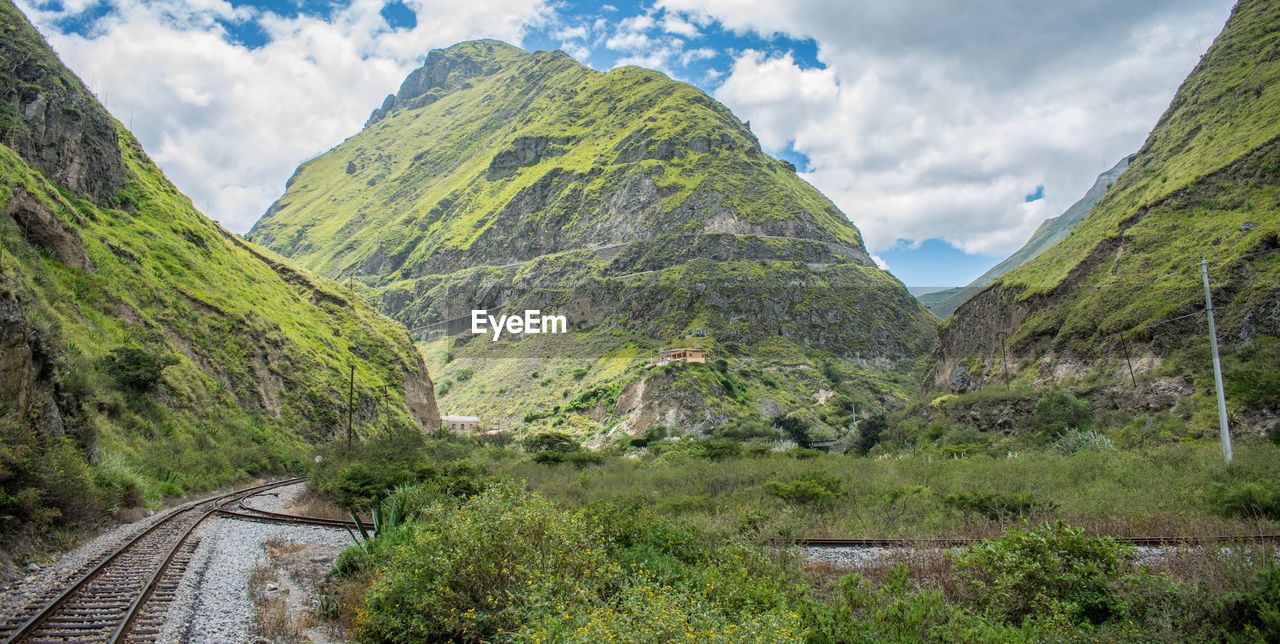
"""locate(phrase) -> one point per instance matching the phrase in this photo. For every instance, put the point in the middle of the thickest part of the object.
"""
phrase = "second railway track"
(122, 595)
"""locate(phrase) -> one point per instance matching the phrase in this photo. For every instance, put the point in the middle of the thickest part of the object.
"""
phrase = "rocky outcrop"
(43, 229)
(443, 70)
(51, 118)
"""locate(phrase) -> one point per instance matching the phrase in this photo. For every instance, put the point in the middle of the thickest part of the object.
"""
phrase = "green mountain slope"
(143, 349)
(1050, 232)
(1206, 182)
(637, 206)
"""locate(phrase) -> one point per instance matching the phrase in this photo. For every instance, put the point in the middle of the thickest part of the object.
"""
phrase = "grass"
(183, 358)
(668, 547)
(1205, 183)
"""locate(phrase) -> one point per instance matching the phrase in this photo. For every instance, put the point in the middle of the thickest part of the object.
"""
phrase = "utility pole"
(1127, 361)
(1217, 365)
(351, 406)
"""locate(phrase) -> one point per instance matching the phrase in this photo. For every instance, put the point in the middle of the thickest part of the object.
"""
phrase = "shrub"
(464, 374)
(1256, 610)
(718, 449)
(869, 432)
(797, 429)
(895, 612)
(743, 430)
(813, 487)
(1075, 440)
(997, 507)
(551, 442)
(483, 569)
(137, 370)
(579, 458)
(120, 485)
(1248, 499)
(1058, 410)
(1047, 570)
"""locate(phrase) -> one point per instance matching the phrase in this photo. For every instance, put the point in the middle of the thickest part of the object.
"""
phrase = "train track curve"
(123, 594)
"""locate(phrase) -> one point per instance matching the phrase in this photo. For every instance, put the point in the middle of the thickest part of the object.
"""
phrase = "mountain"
(144, 350)
(1127, 279)
(637, 206)
(1050, 232)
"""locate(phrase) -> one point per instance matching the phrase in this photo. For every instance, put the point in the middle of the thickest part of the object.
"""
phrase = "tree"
(137, 370)
(869, 432)
(797, 429)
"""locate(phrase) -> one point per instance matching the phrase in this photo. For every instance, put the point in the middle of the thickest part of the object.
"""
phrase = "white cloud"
(884, 266)
(674, 24)
(938, 122)
(694, 55)
(570, 33)
(632, 41)
(229, 124)
(578, 52)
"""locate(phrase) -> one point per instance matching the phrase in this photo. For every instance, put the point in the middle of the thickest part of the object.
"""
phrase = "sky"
(946, 131)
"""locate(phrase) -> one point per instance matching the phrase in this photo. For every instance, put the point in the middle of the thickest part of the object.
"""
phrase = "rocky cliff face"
(637, 206)
(52, 121)
(1126, 280)
(134, 329)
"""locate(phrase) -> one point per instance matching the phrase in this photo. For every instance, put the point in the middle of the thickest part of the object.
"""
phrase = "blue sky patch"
(1037, 195)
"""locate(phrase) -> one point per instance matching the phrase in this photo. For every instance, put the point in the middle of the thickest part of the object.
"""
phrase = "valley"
(546, 353)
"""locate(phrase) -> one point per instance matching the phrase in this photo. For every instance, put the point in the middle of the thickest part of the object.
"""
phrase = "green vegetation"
(148, 352)
(653, 544)
(637, 204)
(1205, 183)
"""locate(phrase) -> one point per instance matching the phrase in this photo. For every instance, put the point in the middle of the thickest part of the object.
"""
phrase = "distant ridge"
(943, 302)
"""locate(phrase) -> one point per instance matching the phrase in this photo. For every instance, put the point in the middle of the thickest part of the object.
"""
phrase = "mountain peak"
(447, 70)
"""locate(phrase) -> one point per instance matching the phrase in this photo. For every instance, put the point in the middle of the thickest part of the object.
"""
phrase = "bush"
(580, 458)
(1048, 570)
(718, 449)
(483, 569)
(551, 442)
(1256, 610)
(743, 430)
(1057, 411)
(1075, 440)
(813, 487)
(997, 507)
(797, 429)
(896, 612)
(1248, 499)
(137, 370)
(869, 432)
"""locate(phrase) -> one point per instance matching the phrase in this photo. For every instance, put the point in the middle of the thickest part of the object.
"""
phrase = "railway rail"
(964, 541)
(122, 595)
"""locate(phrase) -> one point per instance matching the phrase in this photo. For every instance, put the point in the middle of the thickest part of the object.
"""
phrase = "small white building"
(460, 423)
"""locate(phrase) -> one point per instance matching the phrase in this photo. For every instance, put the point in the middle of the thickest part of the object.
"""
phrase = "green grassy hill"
(635, 205)
(144, 350)
(1205, 183)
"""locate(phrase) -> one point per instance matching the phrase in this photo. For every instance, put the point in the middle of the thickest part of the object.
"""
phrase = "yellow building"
(681, 355)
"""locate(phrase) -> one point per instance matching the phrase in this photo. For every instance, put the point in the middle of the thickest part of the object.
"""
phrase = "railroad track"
(124, 594)
(963, 541)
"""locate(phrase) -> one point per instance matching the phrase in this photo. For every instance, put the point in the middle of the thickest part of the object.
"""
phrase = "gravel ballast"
(213, 602)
